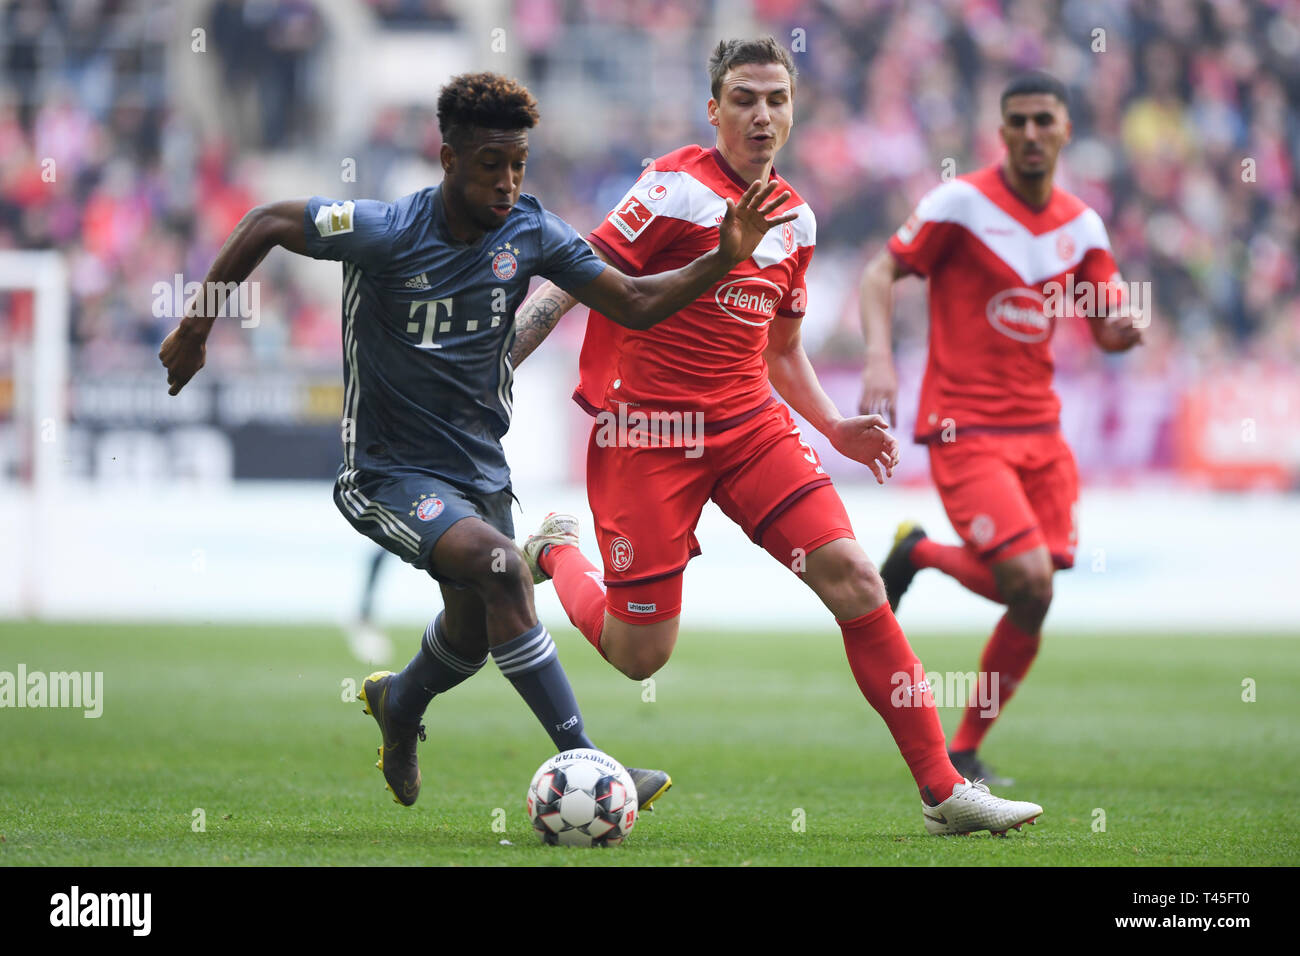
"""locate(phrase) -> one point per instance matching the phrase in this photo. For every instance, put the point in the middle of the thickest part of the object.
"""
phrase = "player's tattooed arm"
(540, 313)
(536, 318)
(641, 302)
(183, 352)
(875, 308)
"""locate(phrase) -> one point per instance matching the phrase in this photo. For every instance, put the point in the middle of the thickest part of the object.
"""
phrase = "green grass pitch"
(760, 732)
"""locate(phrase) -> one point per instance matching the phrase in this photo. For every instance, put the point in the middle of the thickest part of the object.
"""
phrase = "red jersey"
(998, 270)
(709, 356)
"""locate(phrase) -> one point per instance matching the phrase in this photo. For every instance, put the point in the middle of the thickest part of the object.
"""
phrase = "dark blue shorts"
(407, 514)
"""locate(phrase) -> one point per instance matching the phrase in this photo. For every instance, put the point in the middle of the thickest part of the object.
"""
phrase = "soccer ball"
(582, 798)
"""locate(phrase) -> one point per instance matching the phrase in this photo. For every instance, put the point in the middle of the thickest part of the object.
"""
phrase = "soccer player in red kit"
(1005, 254)
(685, 413)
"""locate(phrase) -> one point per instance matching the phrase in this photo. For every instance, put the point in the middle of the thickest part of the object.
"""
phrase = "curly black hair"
(486, 100)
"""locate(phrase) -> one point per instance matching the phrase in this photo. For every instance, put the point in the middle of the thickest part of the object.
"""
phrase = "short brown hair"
(732, 53)
(486, 100)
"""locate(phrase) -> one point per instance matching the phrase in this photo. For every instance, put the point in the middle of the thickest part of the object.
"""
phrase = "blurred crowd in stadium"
(1186, 132)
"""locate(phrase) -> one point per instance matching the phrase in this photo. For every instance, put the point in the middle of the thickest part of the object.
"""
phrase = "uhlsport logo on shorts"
(426, 507)
(620, 553)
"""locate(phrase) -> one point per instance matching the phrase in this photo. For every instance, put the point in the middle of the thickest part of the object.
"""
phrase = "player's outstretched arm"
(260, 231)
(641, 302)
(863, 438)
(875, 308)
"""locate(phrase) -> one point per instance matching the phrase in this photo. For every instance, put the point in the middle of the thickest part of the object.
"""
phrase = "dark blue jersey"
(427, 327)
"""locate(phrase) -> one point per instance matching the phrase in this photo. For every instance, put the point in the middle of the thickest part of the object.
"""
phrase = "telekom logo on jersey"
(748, 299)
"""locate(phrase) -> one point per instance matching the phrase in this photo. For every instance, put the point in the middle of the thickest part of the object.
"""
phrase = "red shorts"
(647, 502)
(1008, 493)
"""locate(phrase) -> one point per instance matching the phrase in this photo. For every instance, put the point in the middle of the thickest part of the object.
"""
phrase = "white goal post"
(40, 411)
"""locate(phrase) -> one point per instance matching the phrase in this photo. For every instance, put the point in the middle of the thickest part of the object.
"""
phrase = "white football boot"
(556, 529)
(971, 807)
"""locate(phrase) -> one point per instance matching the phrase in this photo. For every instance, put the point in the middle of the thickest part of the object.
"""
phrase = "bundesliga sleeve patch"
(335, 219)
(631, 218)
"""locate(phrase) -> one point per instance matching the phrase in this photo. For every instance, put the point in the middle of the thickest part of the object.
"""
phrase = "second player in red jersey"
(1005, 255)
(709, 356)
(685, 414)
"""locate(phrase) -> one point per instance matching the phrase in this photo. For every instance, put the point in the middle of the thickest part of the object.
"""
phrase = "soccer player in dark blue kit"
(431, 283)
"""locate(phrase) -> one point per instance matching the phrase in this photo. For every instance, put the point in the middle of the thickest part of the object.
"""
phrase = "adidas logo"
(419, 282)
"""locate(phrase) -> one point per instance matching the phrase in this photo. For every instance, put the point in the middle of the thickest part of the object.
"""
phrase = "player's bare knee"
(845, 579)
(466, 644)
(1030, 593)
(642, 666)
(1037, 588)
(870, 585)
(639, 651)
(860, 589)
(501, 575)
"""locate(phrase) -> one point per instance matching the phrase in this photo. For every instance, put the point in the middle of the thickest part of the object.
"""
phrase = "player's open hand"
(182, 354)
(865, 439)
(879, 389)
(746, 222)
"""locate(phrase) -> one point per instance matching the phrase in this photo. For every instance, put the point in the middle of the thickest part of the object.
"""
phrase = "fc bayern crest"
(787, 238)
(620, 553)
(428, 509)
(505, 265)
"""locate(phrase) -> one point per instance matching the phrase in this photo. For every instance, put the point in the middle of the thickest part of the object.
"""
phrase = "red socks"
(1008, 654)
(581, 589)
(960, 562)
(893, 682)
